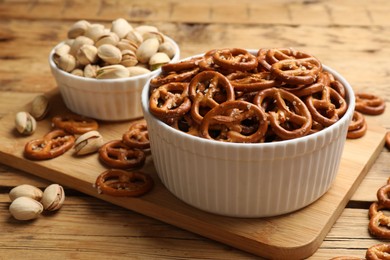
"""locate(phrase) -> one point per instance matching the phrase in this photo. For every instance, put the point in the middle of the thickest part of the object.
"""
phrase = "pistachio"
(125, 44)
(112, 72)
(78, 28)
(137, 70)
(129, 58)
(66, 62)
(69, 42)
(88, 143)
(25, 123)
(77, 72)
(142, 29)
(158, 59)
(167, 48)
(135, 37)
(53, 197)
(39, 107)
(90, 71)
(95, 31)
(158, 35)
(25, 190)
(78, 43)
(147, 49)
(109, 54)
(121, 27)
(25, 208)
(108, 38)
(87, 54)
(61, 50)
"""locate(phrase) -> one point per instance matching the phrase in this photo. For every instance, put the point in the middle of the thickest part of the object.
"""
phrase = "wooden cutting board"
(294, 236)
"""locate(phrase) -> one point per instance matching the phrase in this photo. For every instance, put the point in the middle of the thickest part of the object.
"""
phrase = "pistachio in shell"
(25, 123)
(25, 208)
(158, 59)
(53, 197)
(112, 72)
(147, 49)
(109, 54)
(87, 54)
(40, 107)
(121, 27)
(25, 190)
(78, 28)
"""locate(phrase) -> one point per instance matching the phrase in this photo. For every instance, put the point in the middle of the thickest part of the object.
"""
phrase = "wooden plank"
(285, 12)
(286, 235)
(348, 237)
(86, 227)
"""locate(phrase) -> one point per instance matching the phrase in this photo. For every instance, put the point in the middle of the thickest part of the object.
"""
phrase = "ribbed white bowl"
(248, 180)
(104, 99)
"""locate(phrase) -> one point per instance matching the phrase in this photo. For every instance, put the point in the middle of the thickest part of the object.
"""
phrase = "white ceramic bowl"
(104, 99)
(248, 180)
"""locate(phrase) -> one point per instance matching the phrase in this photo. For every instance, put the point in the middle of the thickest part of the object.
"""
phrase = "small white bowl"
(104, 99)
(248, 180)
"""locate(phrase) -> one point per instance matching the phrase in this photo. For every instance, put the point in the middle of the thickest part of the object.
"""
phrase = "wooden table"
(350, 36)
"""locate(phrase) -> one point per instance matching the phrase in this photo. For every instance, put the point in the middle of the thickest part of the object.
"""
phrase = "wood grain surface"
(350, 36)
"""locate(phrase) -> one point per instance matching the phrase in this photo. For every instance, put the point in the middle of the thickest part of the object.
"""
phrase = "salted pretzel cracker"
(328, 108)
(267, 57)
(378, 252)
(297, 71)
(181, 66)
(137, 135)
(249, 82)
(51, 145)
(335, 84)
(120, 183)
(186, 124)
(116, 154)
(170, 100)
(358, 126)
(207, 62)
(274, 55)
(369, 104)
(261, 59)
(235, 59)
(229, 121)
(379, 221)
(302, 91)
(383, 195)
(184, 75)
(74, 124)
(288, 115)
(316, 127)
(207, 90)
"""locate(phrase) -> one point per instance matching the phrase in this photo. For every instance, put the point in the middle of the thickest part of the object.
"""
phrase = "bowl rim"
(350, 99)
(92, 80)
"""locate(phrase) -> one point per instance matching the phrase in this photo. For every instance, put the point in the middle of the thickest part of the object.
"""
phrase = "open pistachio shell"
(112, 72)
(25, 123)
(53, 197)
